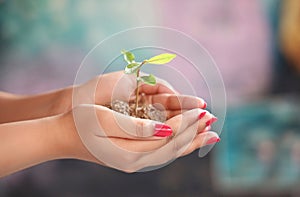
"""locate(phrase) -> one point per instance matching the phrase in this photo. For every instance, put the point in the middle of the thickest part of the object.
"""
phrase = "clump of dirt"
(145, 111)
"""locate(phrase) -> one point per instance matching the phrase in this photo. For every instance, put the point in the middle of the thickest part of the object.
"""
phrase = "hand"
(101, 90)
(130, 144)
(116, 129)
(117, 86)
(121, 142)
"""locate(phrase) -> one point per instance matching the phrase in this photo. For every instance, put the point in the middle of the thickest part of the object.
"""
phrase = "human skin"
(25, 107)
(40, 128)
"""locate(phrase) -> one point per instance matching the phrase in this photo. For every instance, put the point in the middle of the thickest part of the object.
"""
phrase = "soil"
(145, 111)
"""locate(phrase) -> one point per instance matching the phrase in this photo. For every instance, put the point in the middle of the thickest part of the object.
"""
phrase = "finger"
(185, 127)
(201, 140)
(183, 121)
(137, 145)
(172, 113)
(171, 150)
(117, 125)
(156, 89)
(161, 86)
(205, 130)
(148, 144)
(206, 119)
(166, 84)
(163, 151)
(176, 102)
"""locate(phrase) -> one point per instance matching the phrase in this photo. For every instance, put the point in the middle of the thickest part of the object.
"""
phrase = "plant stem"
(137, 88)
(137, 92)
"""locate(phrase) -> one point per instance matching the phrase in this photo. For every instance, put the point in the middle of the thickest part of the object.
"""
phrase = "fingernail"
(212, 120)
(162, 130)
(201, 115)
(204, 105)
(213, 140)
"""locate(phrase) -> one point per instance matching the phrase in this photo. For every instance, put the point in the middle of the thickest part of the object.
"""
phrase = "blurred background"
(256, 46)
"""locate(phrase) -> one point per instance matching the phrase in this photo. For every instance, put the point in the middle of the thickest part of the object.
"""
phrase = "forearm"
(16, 108)
(27, 143)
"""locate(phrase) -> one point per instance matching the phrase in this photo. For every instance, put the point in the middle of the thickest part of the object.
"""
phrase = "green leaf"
(132, 68)
(128, 56)
(150, 79)
(161, 59)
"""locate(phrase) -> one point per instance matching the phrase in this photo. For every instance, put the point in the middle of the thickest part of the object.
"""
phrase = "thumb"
(103, 122)
(132, 127)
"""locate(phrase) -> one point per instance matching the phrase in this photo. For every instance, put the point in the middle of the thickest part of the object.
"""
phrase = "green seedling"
(134, 67)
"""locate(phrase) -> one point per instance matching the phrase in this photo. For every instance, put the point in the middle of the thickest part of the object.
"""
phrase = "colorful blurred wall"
(42, 44)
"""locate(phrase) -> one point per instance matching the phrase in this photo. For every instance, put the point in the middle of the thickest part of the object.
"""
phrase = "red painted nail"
(212, 120)
(213, 140)
(201, 115)
(162, 130)
(204, 105)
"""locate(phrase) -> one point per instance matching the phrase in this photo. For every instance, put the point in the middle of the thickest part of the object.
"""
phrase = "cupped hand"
(130, 144)
(103, 89)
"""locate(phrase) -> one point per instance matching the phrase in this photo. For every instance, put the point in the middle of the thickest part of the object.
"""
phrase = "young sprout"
(134, 67)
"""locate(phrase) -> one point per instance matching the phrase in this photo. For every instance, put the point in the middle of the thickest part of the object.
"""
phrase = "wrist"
(27, 143)
(28, 107)
(60, 102)
(70, 144)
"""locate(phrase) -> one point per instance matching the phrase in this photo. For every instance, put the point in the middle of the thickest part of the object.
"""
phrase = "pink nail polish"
(204, 105)
(214, 119)
(201, 115)
(162, 130)
(213, 140)
(211, 121)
